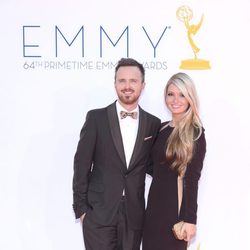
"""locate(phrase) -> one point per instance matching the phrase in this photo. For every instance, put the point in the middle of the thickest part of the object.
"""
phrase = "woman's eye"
(170, 94)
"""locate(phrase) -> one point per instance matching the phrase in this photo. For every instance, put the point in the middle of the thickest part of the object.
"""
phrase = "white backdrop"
(44, 98)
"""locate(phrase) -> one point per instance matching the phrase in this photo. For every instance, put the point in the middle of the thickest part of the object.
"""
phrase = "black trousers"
(116, 236)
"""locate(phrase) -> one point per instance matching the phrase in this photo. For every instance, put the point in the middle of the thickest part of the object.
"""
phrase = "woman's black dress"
(162, 206)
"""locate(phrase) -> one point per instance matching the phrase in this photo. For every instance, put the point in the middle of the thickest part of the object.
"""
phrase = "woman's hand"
(188, 231)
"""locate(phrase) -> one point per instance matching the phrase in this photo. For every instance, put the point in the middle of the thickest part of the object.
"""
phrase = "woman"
(177, 156)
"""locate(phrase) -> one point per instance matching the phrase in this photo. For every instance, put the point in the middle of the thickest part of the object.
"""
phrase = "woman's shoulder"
(200, 132)
(201, 140)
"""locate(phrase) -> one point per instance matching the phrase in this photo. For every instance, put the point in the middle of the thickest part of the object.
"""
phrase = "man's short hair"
(123, 62)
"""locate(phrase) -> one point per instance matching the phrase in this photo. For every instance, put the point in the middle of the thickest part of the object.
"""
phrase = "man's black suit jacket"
(100, 171)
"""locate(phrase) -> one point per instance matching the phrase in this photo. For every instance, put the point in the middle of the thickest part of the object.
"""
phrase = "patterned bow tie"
(124, 114)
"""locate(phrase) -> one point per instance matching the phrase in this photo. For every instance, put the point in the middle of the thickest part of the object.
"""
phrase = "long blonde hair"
(181, 142)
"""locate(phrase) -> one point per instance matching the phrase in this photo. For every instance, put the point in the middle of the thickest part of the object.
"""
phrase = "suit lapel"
(139, 138)
(116, 132)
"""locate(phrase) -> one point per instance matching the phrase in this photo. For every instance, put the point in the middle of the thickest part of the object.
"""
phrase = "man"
(110, 165)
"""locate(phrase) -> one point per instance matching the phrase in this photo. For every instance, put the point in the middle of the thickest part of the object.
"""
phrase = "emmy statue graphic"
(185, 14)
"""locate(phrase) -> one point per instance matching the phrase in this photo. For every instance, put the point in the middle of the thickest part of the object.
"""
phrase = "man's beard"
(128, 100)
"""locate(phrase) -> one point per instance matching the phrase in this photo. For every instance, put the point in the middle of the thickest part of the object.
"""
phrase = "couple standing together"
(118, 145)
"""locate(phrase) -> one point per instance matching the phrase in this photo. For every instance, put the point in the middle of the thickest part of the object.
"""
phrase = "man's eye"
(121, 81)
(133, 81)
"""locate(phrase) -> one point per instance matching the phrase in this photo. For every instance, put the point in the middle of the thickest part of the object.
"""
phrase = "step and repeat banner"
(57, 62)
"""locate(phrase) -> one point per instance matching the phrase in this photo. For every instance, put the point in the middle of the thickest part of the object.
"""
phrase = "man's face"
(129, 85)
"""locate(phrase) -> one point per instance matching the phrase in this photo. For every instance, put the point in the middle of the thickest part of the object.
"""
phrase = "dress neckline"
(167, 125)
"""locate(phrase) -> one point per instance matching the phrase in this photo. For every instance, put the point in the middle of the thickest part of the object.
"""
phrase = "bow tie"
(124, 114)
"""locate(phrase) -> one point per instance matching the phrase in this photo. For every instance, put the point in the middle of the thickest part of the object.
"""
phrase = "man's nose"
(127, 84)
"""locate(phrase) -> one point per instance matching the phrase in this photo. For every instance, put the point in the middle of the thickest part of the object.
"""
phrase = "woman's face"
(176, 101)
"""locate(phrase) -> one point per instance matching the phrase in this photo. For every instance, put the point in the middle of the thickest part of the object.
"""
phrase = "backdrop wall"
(57, 62)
